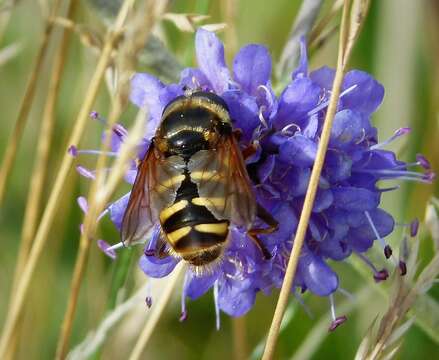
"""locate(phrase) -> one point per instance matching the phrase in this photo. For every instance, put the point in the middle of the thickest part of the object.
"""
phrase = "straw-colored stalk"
(99, 194)
(26, 104)
(344, 50)
(229, 9)
(38, 176)
(16, 308)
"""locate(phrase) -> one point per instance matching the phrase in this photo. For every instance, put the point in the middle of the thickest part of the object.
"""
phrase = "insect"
(194, 183)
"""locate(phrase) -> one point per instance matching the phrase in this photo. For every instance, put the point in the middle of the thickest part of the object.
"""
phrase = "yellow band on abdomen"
(171, 210)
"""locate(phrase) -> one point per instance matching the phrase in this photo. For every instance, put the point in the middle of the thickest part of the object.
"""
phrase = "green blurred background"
(399, 45)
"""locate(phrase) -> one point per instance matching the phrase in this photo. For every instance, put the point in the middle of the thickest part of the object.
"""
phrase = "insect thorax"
(192, 123)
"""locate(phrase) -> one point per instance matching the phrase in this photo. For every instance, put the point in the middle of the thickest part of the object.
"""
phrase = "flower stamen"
(378, 275)
(108, 249)
(285, 131)
(94, 115)
(387, 249)
(326, 103)
(398, 133)
(183, 314)
(336, 321)
(216, 302)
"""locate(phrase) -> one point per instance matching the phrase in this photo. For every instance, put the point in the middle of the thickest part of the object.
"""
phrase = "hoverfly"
(194, 183)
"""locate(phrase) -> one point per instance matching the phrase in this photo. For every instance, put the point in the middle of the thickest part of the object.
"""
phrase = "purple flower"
(285, 131)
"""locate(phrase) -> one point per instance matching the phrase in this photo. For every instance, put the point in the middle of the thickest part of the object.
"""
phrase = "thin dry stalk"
(156, 312)
(38, 176)
(16, 308)
(85, 241)
(240, 338)
(39, 172)
(136, 37)
(317, 31)
(14, 140)
(311, 191)
(386, 342)
(229, 9)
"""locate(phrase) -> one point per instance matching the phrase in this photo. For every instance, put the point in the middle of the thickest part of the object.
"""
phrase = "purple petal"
(337, 166)
(117, 210)
(82, 202)
(130, 176)
(324, 77)
(267, 102)
(155, 267)
(368, 94)
(266, 169)
(252, 67)
(302, 69)
(378, 159)
(194, 78)
(296, 181)
(243, 111)
(145, 90)
(355, 199)
(361, 238)
(106, 248)
(323, 200)
(301, 96)
(319, 278)
(287, 220)
(235, 297)
(335, 249)
(169, 93)
(210, 58)
(298, 150)
(199, 285)
(346, 129)
(117, 137)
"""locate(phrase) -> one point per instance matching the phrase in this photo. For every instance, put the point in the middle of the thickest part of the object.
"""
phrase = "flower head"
(284, 130)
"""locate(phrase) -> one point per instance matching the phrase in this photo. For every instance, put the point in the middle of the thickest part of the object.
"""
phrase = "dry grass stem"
(33, 203)
(156, 312)
(43, 148)
(386, 341)
(15, 138)
(320, 27)
(15, 309)
(312, 189)
(135, 37)
(230, 13)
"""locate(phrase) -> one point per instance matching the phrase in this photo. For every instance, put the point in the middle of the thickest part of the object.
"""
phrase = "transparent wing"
(223, 183)
(155, 188)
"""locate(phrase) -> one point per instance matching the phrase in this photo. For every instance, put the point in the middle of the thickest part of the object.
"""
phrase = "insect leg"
(160, 251)
(266, 217)
(249, 151)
